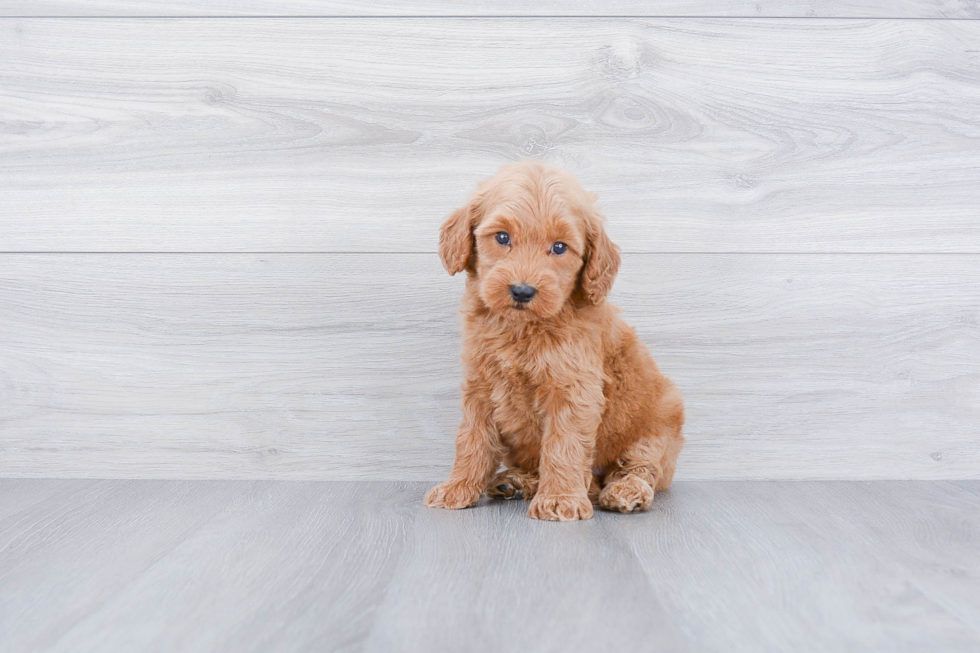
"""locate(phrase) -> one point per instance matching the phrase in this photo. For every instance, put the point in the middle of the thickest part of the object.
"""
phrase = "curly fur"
(561, 386)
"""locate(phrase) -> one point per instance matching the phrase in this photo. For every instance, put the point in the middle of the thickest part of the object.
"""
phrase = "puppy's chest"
(516, 397)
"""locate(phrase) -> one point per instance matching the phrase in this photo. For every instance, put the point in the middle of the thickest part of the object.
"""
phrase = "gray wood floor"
(279, 565)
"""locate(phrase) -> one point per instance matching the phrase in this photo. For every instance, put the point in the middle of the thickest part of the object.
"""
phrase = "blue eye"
(503, 238)
(559, 248)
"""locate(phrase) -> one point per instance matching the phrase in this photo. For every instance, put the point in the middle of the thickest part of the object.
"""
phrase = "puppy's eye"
(559, 248)
(503, 238)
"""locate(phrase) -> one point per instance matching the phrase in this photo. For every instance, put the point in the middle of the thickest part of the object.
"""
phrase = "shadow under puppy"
(555, 383)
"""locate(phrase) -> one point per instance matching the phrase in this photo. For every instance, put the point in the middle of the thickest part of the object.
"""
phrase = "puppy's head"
(534, 241)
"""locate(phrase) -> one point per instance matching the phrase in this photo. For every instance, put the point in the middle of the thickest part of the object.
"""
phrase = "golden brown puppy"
(556, 384)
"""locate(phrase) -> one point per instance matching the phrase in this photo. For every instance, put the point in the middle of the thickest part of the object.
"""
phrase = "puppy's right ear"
(456, 240)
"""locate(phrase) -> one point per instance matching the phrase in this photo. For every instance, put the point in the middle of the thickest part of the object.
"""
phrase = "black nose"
(522, 293)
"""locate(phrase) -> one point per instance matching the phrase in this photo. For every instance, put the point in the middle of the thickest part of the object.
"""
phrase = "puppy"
(555, 385)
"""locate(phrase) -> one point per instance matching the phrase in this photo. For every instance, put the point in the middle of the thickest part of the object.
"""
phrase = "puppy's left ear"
(601, 259)
(456, 240)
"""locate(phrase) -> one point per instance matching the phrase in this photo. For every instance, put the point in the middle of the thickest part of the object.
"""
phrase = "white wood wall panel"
(800, 8)
(360, 135)
(346, 366)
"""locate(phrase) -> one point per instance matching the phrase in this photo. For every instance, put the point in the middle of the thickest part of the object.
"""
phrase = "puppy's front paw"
(560, 508)
(452, 496)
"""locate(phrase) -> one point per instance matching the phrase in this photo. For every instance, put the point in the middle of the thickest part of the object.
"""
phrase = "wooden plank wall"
(218, 224)
(950, 9)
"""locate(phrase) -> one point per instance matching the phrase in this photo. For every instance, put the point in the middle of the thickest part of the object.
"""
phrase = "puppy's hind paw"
(503, 490)
(511, 484)
(627, 494)
(452, 496)
(560, 508)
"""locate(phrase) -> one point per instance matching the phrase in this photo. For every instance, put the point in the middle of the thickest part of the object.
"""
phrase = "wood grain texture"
(346, 366)
(20, 494)
(361, 135)
(900, 555)
(706, 8)
(285, 566)
(241, 566)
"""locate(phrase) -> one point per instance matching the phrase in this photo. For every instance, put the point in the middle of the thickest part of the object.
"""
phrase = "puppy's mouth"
(519, 307)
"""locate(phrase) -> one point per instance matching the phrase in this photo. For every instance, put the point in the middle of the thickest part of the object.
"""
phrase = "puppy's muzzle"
(522, 293)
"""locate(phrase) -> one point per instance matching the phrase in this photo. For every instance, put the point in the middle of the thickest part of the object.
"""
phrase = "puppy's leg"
(567, 450)
(513, 483)
(478, 452)
(646, 465)
(595, 486)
